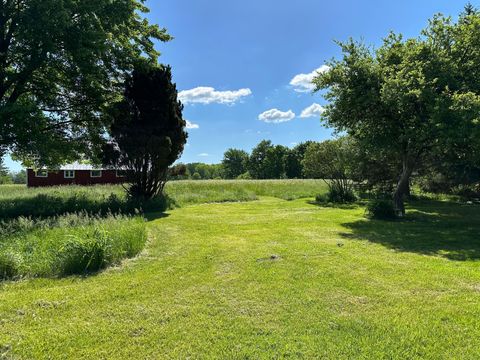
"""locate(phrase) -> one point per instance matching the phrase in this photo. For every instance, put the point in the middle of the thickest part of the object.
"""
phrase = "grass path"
(207, 287)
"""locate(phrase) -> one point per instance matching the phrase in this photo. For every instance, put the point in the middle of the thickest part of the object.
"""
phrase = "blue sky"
(242, 66)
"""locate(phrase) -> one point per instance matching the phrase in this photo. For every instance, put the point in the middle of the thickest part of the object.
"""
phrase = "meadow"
(277, 276)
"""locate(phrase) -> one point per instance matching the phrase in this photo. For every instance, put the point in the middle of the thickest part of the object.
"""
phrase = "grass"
(72, 244)
(42, 235)
(16, 200)
(266, 279)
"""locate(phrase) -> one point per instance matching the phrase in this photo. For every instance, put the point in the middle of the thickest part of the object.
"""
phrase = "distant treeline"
(12, 177)
(343, 159)
(266, 161)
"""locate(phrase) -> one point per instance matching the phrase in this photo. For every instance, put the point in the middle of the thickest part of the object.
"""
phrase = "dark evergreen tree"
(148, 131)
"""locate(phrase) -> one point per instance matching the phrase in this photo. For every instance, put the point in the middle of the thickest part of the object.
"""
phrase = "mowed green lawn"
(266, 279)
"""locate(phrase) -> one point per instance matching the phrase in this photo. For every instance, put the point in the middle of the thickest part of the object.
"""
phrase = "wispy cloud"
(208, 95)
(303, 82)
(314, 110)
(203, 155)
(191, 125)
(276, 116)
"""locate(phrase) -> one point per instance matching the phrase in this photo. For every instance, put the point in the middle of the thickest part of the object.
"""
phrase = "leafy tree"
(178, 172)
(5, 177)
(19, 177)
(61, 62)
(293, 160)
(410, 97)
(274, 162)
(3, 168)
(267, 161)
(257, 158)
(234, 163)
(334, 162)
(205, 171)
(148, 131)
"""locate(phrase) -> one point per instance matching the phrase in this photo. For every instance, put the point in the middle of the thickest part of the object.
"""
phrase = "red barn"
(74, 174)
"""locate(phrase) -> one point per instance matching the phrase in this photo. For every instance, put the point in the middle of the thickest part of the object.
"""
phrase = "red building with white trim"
(74, 174)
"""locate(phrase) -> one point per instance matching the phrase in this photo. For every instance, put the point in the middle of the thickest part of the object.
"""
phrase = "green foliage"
(60, 63)
(381, 209)
(267, 161)
(293, 160)
(205, 171)
(245, 176)
(196, 176)
(341, 195)
(409, 98)
(234, 163)
(148, 132)
(333, 161)
(19, 177)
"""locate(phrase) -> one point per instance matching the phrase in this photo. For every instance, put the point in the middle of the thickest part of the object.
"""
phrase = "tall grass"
(70, 244)
(17, 200)
(190, 191)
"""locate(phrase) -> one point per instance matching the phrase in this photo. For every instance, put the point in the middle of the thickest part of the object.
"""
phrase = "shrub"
(244, 176)
(381, 209)
(469, 192)
(341, 195)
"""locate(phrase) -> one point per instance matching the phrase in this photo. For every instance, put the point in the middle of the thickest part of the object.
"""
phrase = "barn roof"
(80, 166)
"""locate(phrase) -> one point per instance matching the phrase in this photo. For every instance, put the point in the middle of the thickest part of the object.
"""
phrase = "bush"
(341, 195)
(244, 176)
(469, 192)
(381, 209)
(435, 183)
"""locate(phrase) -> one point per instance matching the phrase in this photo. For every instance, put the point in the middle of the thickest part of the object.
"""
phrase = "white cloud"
(191, 125)
(208, 95)
(314, 110)
(203, 155)
(276, 116)
(303, 82)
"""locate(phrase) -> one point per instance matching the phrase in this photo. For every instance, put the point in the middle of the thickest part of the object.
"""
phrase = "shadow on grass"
(47, 205)
(334, 205)
(152, 216)
(435, 228)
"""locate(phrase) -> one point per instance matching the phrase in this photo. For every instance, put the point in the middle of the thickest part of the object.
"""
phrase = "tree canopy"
(234, 163)
(411, 97)
(61, 62)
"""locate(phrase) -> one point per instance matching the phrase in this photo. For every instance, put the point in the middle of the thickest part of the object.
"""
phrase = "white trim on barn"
(69, 174)
(97, 175)
(42, 173)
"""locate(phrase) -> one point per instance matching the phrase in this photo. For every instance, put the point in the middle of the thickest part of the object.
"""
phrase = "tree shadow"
(435, 228)
(346, 206)
(152, 216)
(51, 205)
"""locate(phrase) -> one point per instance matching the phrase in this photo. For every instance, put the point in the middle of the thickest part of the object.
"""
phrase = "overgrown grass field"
(268, 278)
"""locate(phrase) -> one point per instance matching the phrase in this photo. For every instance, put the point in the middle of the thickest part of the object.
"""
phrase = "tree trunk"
(403, 186)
